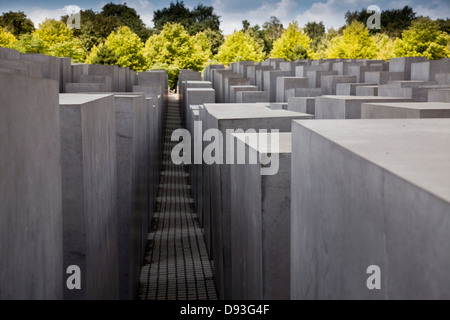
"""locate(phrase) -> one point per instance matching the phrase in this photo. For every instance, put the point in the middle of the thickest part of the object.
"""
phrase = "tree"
(127, 16)
(292, 45)
(393, 22)
(315, 31)
(215, 40)
(199, 19)
(174, 49)
(29, 44)
(6, 38)
(59, 40)
(240, 46)
(423, 39)
(102, 55)
(354, 43)
(16, 22)
(385, 46)
(325, 43)
(128, 48)
(272, 31)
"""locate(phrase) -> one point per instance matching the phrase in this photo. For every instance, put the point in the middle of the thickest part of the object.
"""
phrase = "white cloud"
(330, 13)
(439, 10)
(283, 10)
(38, 15)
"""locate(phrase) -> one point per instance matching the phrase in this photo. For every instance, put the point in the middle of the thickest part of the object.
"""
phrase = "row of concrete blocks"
(277, 80)
(78, 184)
(265, 246)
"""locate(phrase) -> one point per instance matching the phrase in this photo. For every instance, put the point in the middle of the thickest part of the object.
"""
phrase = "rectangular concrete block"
(106, 70)
(50, 65)
(404, 65)
(79, 69)
(439, 95)
(349, 89)
(383, 201)
(234, 82)
(252, 96)
(405, 110)
(260, 219)
(270, 82)
(259, 76)
(347, 107)
(223, 117)
(26, 67)
(278, 106)
(303, 92)
(131, 123)
(426, 71)
(105, 80)
(383, 77)
(329, 82)
(302, 71)
(84, 87)
(302, 104)
(367, 91)
(31, 223)
(89, 191)
(235, 89)
(286, 83)
(315, 77)
(360, 71)
(443, 78)
(65, 73)
(9, 54)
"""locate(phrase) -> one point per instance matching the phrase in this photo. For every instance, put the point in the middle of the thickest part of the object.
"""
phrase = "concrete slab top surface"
(245, 111)
(362, 98)
(416, 150)
(199, 89)
(134, 95)
(80, 98)
(252, 138)
(415, 105)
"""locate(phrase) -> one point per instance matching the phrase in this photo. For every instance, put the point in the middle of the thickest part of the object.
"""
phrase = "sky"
(232, 12)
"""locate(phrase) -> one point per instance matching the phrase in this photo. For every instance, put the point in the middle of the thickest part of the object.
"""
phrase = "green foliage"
(240, 46)
(199, 19)
(59, 40)
(315, 31)
(102, 55)
(423, 39)
(354, 43)
(292, 45)
(215, 40)
(272, 31)
(325, 43)
(393, 22)
(128, 48)
(16, 22)
(7, 39)
(385, 47)
(174, 49)
(29, 44)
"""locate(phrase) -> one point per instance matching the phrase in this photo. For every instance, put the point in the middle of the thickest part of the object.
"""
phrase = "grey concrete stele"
(405, 110)
(383, 200)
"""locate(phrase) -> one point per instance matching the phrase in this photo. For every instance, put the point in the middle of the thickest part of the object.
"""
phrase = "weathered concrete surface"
(235, 89)
(131, 146)
(426, 71)
(31, 264)
(105, 80)
(367, 91)
(252, 96)
(223, 117)
(360, 71)
(286, 83)
(383, 200)
(84, 87)
(315, 77)
(302, 104)
(404, 65)
(89, 191)
(270, 82)
(405, 110)
(329, 82)
(260, 219)
(347, 107)
(349, 89)
(439, 95)
(234, 82)
(383, 77)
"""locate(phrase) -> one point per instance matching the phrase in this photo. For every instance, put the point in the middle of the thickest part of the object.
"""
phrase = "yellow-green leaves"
(292, 45)
(6, 38)
(240, 46)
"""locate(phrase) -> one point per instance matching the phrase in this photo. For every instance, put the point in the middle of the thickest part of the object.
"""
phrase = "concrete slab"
(31, 220)
(315, 77)
(252, 96)
(347, 107)
(367, 91)
(286, 83)
(383, 77)
(270, 82)
(302, 104)
(84, 87)
(89, 191)
(404, 65)
(426, 71)
(329, 83)
(234, 82)
(260, 220)
(405, 110)
(439, 95)
(383, 200)
(235, 89)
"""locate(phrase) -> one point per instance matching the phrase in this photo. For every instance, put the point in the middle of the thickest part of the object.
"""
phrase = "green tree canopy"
(272, 31)
(174, 49)
(199, 19)
(424, 38)
(16, 22)
(292, 45)
(393, 22)
(315, 31)
(354, 43)
(29, 44)
(102, 55)
(128, 48)
(7, 39)
(240, 46)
